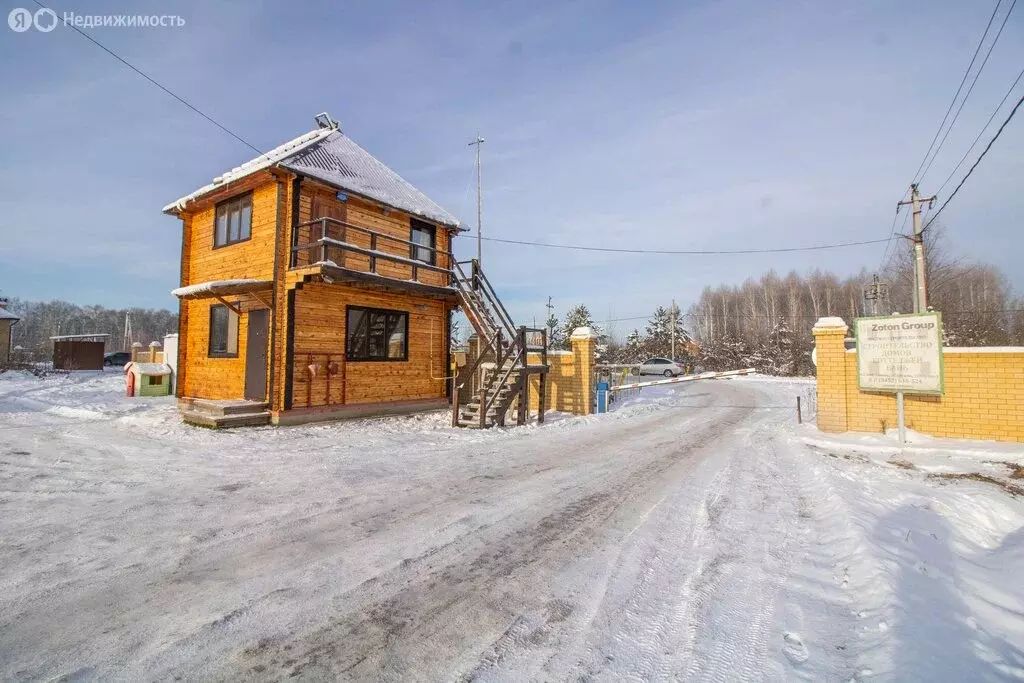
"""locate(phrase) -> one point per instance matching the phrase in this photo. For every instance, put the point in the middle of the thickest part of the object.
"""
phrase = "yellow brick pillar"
(829, 334)
(584, 345)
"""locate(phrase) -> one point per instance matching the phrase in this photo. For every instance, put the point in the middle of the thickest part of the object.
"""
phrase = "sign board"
(900, 353)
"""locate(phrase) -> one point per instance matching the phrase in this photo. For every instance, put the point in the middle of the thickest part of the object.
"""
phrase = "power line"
(919, 175)
(976, 162)
(970, 89)
(981, 132)
(692, 252)
(956, 95)
(892, 234)
(158, 84)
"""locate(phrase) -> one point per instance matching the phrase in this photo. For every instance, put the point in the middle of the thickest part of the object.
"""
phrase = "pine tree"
(783, 349)
(577, 317)
(633, 352)
(658, 338)
(556, 339)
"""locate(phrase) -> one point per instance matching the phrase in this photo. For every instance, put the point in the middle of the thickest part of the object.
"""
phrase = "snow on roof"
(7, 315)
(326, 154)
(221, 286)
(252, 166)
(65, 337)
(151, 368)
(339, 161)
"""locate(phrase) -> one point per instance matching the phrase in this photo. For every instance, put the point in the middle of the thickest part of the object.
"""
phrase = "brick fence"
(983, 398)
(570, 381)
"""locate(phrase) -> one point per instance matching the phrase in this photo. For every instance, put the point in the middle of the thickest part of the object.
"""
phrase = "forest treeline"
(765, 323)
(41, 320)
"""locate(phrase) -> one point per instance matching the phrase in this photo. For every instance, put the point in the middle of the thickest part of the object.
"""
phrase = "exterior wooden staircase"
(505, 381)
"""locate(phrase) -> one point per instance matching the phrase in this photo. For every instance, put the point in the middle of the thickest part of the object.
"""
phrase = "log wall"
(320, 331)
(223, 378)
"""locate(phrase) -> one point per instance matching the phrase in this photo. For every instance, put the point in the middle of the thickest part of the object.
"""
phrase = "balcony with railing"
(352, 252)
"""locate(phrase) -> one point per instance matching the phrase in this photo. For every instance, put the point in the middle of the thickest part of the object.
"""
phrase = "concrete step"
(225, 407)
(203, 419)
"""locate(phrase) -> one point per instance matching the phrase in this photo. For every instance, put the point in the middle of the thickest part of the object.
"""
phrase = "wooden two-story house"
(316, 283)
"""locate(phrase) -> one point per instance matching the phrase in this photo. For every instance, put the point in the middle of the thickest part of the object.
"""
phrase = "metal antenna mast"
(479, 201)
(128, 337)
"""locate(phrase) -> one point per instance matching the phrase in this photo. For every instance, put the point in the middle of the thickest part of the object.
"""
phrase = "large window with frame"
(424, 238)
(223, 332)
(233, 222)
(375, 334)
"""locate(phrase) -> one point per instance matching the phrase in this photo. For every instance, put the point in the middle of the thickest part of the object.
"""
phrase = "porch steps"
(224, 414)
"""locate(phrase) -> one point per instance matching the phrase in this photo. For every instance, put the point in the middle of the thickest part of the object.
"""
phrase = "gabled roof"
(6, 315)
(326, 154)
(339, 161)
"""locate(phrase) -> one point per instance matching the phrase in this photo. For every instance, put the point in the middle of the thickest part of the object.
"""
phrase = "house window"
(423, 237)
(223, 332)
(375, 334)
(156, 380)
(234, 221)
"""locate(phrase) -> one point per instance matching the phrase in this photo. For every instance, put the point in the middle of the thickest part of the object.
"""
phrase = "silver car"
(659, 366)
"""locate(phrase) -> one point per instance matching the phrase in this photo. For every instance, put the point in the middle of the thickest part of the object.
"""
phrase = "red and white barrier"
(685, 378)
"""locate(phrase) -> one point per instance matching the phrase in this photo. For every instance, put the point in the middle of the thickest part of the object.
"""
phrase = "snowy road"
(691, 538)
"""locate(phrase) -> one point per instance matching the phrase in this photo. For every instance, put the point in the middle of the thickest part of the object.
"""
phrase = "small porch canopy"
(218, 289)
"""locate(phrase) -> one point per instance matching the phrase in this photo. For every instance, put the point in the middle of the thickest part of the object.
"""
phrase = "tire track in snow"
(737, 592)
(392, 628)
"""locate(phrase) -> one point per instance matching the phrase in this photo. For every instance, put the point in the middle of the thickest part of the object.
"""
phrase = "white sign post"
(900, 354)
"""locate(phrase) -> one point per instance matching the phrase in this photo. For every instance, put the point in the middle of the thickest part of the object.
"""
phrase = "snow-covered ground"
(695, 533)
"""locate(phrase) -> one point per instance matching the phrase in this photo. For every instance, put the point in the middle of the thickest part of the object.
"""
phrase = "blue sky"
(688, 125)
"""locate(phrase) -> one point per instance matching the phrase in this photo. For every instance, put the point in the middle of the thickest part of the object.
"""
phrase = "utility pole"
(874, 292)
(550, 322)
(673, 330)
(479, 202)
(920, 282)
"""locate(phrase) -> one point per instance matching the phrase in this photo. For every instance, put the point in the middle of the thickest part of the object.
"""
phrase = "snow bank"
(925, 546)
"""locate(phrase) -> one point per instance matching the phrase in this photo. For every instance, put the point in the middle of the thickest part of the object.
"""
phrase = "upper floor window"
(234, 221)
(424, 239)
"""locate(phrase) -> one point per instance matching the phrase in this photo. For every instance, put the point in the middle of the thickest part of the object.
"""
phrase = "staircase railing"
(481, 288)
(495, 328)
(519, 358)
(492, 298)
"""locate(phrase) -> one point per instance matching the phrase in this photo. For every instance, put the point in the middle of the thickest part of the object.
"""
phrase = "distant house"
(315, 283)
(7, 322)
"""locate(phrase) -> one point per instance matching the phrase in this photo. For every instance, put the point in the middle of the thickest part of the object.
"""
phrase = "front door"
(256, 355)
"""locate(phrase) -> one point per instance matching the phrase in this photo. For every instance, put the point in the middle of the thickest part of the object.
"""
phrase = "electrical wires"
(159, 85)
(977, 161)
(690, 252)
